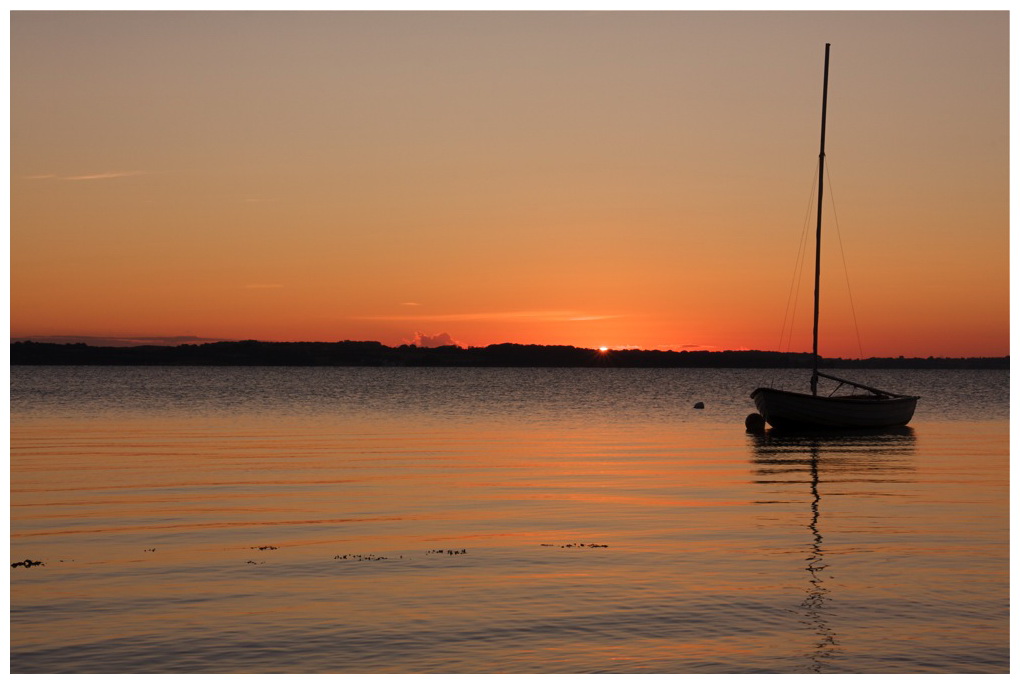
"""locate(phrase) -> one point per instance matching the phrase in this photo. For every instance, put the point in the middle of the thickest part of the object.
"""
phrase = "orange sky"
(593, 179)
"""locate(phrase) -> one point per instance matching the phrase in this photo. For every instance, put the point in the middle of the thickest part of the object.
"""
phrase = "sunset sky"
(584, 178)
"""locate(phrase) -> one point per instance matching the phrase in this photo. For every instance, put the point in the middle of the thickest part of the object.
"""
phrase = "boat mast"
(818, 228)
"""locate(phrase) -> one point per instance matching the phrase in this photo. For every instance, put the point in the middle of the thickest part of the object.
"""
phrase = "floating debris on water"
(152, 550)
(27, 563)
(360, 557)
(581, 546)
(260, 548)
(448, 552)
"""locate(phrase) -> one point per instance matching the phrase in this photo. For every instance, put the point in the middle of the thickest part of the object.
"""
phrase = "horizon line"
(180, 340)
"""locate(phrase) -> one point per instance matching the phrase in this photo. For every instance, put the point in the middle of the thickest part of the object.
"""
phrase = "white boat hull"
(793, 410)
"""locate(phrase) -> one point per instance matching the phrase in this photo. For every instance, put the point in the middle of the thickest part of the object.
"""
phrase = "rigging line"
(798, 273)
(846, 271)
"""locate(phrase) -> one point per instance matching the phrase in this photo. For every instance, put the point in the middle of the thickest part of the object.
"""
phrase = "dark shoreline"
(348, 353)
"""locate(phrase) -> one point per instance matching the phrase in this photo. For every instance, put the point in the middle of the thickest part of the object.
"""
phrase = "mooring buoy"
(754, 422)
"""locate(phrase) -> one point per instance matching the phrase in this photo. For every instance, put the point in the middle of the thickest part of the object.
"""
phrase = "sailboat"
(794, 410)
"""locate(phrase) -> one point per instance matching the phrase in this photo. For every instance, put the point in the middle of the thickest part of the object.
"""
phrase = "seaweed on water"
(581, 546)
(360, 557)
(27, 563)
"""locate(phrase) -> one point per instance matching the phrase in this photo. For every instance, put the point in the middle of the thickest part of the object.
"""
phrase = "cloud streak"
(89, 176)
(437, 340)
(111, 341)
(543, 316)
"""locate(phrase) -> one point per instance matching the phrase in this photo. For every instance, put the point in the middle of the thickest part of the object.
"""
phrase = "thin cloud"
(89, 176)
(522, 316)
(690, 347)
(437, 340)
(104, 176)
(100, 341)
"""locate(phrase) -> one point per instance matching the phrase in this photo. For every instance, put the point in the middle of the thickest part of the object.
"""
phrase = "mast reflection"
(784, 459)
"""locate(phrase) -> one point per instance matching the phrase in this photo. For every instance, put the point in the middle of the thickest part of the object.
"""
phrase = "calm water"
(498, 520)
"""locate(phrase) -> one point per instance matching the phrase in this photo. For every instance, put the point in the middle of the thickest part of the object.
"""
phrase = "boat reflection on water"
(786, 462)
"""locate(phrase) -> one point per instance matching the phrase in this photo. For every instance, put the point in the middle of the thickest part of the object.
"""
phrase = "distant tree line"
(348, 353)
